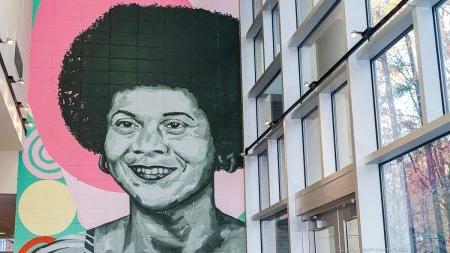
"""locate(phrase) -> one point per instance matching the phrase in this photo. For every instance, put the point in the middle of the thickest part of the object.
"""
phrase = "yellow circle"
(46, 207)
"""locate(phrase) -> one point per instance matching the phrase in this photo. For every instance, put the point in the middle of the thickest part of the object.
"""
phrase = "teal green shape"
(41, 156)
(30, 157)
(242, 217)
(36, 4)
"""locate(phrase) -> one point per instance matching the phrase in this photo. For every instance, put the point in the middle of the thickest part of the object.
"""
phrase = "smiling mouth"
(152, 173)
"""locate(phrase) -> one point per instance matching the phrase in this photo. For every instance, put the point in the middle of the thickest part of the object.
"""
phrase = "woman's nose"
(149, 142)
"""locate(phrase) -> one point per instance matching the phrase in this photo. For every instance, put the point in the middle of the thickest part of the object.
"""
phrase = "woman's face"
(158, 145)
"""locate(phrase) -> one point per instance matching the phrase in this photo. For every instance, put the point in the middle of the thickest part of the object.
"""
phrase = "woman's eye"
(175, 127)
(125, 126)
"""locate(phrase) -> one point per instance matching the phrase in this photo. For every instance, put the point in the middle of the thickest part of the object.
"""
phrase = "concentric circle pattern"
(37, 160)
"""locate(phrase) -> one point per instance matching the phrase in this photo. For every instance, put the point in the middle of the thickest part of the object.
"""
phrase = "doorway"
(334, 230)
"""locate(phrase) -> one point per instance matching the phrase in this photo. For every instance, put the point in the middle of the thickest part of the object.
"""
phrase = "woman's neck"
(186, 226)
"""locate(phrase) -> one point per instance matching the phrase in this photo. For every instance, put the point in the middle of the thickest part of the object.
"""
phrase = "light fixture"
(268, 122)
(2, 233)
(29, 124)
(20, 82)
(23, 107)
(307, 84)
(365, 34)
(8, 41)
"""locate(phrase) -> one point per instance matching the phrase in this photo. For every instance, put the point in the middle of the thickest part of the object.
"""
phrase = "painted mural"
(136, 137)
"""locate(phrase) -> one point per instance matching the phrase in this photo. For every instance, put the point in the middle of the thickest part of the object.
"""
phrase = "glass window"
(397, 90)
(269, 104)
(323, 49)
(304, 7)
(281, 169)
(311, 147)
(256, 7)
(352, 236)
(276, 30)
(342, 129)
(443, 30)
(275, 234)
(259, 54)
(324, 239)
(416, 199)
(380, 8)
(263, 172)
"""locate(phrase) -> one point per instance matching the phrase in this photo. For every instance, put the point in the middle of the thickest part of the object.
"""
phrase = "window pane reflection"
(397, 90)
(259, 54)
(323, 49)
(352, 236)
(380, 8)
(275, 234)
(263, 172)
(311, 147)
(342, 128)
(416, 196)
(269, 104)
(325, 240)
(276, 30)
(443, 20)
(281, 169)
(304, 8)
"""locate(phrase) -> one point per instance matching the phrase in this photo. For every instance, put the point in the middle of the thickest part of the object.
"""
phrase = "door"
(334, 230)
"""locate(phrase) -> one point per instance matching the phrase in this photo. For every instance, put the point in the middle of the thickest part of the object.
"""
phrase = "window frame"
(266, 153)
(374, 88)
(262, 91)
(382, 191)
(445, 94)
(305, 167)
(281, 173)
(272, 218)
(277, 7)
(260, 31)
(334, 117)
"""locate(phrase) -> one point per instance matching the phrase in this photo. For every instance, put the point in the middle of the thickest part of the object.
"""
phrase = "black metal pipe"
(365, 37)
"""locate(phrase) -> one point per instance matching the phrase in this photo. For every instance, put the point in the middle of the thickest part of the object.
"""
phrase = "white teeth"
(154, 171)
(160, 170)
(166, 171)
(139, 170)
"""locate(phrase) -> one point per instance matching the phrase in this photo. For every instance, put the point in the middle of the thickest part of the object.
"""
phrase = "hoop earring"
(103, 164)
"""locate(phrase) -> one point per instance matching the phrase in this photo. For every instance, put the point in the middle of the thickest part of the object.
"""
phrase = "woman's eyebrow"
(178, 113)
(124, 112)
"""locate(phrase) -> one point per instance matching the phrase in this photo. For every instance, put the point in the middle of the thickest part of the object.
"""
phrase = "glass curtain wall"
(269, 104)
(396, 87)
(312, 149)
(263, 173)
(442, 13)
(259, 54)
(275, 234)
(276, 30)
(281, 169)
(416, 196)
(342, 127)
(379, 8)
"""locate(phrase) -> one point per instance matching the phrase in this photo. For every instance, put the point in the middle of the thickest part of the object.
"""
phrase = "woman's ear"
(227, 163)
(103, 164)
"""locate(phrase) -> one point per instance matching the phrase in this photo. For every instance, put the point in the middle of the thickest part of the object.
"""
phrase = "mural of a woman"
(161, 105)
